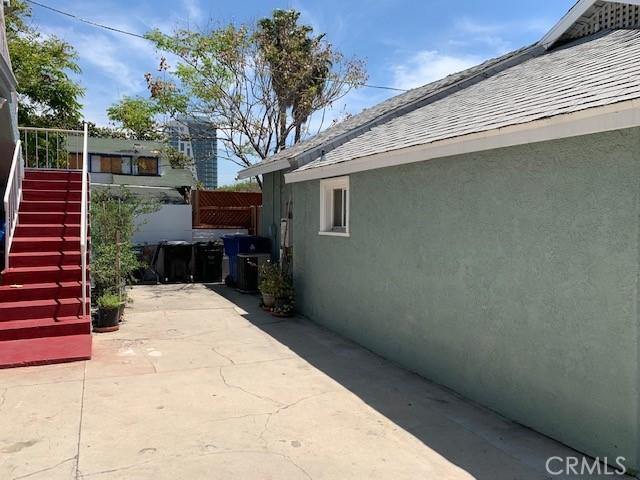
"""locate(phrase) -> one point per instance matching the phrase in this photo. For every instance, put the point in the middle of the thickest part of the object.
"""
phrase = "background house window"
(111, 164)
(146, 166)
(334, 206)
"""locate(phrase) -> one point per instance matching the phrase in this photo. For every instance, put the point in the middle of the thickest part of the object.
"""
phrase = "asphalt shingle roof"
(594, 71)
(393, 105)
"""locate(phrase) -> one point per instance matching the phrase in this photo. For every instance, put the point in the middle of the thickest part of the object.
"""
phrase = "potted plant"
(113, 257)
(269, 275)
(110, 307)
(284, 297)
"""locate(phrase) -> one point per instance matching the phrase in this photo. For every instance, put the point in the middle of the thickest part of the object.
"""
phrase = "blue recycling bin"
(241, 243)
(253, 244)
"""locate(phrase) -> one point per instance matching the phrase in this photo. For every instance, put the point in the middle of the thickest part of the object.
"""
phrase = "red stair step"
(44, 259)
(34, 218)
(45, 244)
(49, 206)
(25, 275)
(42, 316)
(35, 184)
(41, 291)
(30, 174)
(42, 351)
(24, 310)
(39, 194)
(44, 327)
(47, 230)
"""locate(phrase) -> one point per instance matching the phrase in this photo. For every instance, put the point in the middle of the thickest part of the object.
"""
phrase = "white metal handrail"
(12, 198)
(84, 212)
(51, 148)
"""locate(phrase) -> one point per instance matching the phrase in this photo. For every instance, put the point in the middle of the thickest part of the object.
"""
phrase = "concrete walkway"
(200, 384)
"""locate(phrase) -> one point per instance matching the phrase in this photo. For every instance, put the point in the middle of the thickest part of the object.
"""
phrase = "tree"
(47, 94)
(176, 158)
(112, 227)
(256, 86)
(240, 187)
(299, 64)
(135, 115)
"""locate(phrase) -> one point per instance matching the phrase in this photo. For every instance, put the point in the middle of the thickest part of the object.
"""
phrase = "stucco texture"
(275, 195)
(510, 276)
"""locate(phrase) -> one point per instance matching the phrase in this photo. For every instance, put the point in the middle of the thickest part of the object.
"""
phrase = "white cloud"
(496, 36)
(194, 12)
(532, 25)
(428, 66)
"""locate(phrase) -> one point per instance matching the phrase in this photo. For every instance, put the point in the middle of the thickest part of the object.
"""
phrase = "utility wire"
(137, 35)
(84, 20)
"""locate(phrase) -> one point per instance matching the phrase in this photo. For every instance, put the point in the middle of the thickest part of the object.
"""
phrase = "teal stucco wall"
(510, 276)
(275, 195)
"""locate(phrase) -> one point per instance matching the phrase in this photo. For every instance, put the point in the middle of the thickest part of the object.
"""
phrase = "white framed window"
(334, 207)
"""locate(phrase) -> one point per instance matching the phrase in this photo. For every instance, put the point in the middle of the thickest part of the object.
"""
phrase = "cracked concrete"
(201, 383)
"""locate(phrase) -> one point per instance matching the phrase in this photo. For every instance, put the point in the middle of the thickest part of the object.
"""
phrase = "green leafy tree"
(112, 229)
(176, 158)
(47, 94)
(102, 132)
(240, 187)
(258, 87)
(136, 117)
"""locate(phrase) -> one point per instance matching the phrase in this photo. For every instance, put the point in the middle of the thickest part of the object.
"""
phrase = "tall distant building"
(197, 139)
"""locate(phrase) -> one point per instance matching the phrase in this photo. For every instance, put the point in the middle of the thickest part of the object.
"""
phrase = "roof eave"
(262, 168)
(617, 116)
(308, 155)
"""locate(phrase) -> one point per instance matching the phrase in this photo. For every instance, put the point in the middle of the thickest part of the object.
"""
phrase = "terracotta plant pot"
(268, 300)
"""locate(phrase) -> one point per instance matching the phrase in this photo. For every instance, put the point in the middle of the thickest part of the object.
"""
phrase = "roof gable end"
(591, 16)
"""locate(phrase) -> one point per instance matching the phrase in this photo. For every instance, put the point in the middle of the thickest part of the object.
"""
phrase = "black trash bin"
(208, 260)
(177, 262)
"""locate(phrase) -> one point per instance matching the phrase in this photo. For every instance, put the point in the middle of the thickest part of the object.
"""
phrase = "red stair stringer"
(41, 316)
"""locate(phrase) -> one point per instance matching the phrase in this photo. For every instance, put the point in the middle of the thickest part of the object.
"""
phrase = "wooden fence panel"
(213, 209)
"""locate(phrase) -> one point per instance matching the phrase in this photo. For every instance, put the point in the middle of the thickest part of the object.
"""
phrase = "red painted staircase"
(41, 315)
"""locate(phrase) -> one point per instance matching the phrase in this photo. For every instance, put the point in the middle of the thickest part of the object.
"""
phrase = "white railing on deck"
(12, 198)
(52, 148)
(45, 148)
(84, 222)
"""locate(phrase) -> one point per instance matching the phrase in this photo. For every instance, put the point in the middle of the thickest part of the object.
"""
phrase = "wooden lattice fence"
(214, 209)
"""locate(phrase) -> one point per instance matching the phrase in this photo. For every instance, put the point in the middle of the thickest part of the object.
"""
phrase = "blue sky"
(405, 43)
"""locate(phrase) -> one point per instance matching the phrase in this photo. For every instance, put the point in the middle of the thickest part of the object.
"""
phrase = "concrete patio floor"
(200, 383)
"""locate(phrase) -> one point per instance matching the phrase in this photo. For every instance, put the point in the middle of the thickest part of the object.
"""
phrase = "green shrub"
(109, 301)
(112, 228)
(273, 281)
(269, 278)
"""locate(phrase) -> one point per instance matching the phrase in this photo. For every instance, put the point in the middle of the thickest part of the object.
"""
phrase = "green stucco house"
(484, 230)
